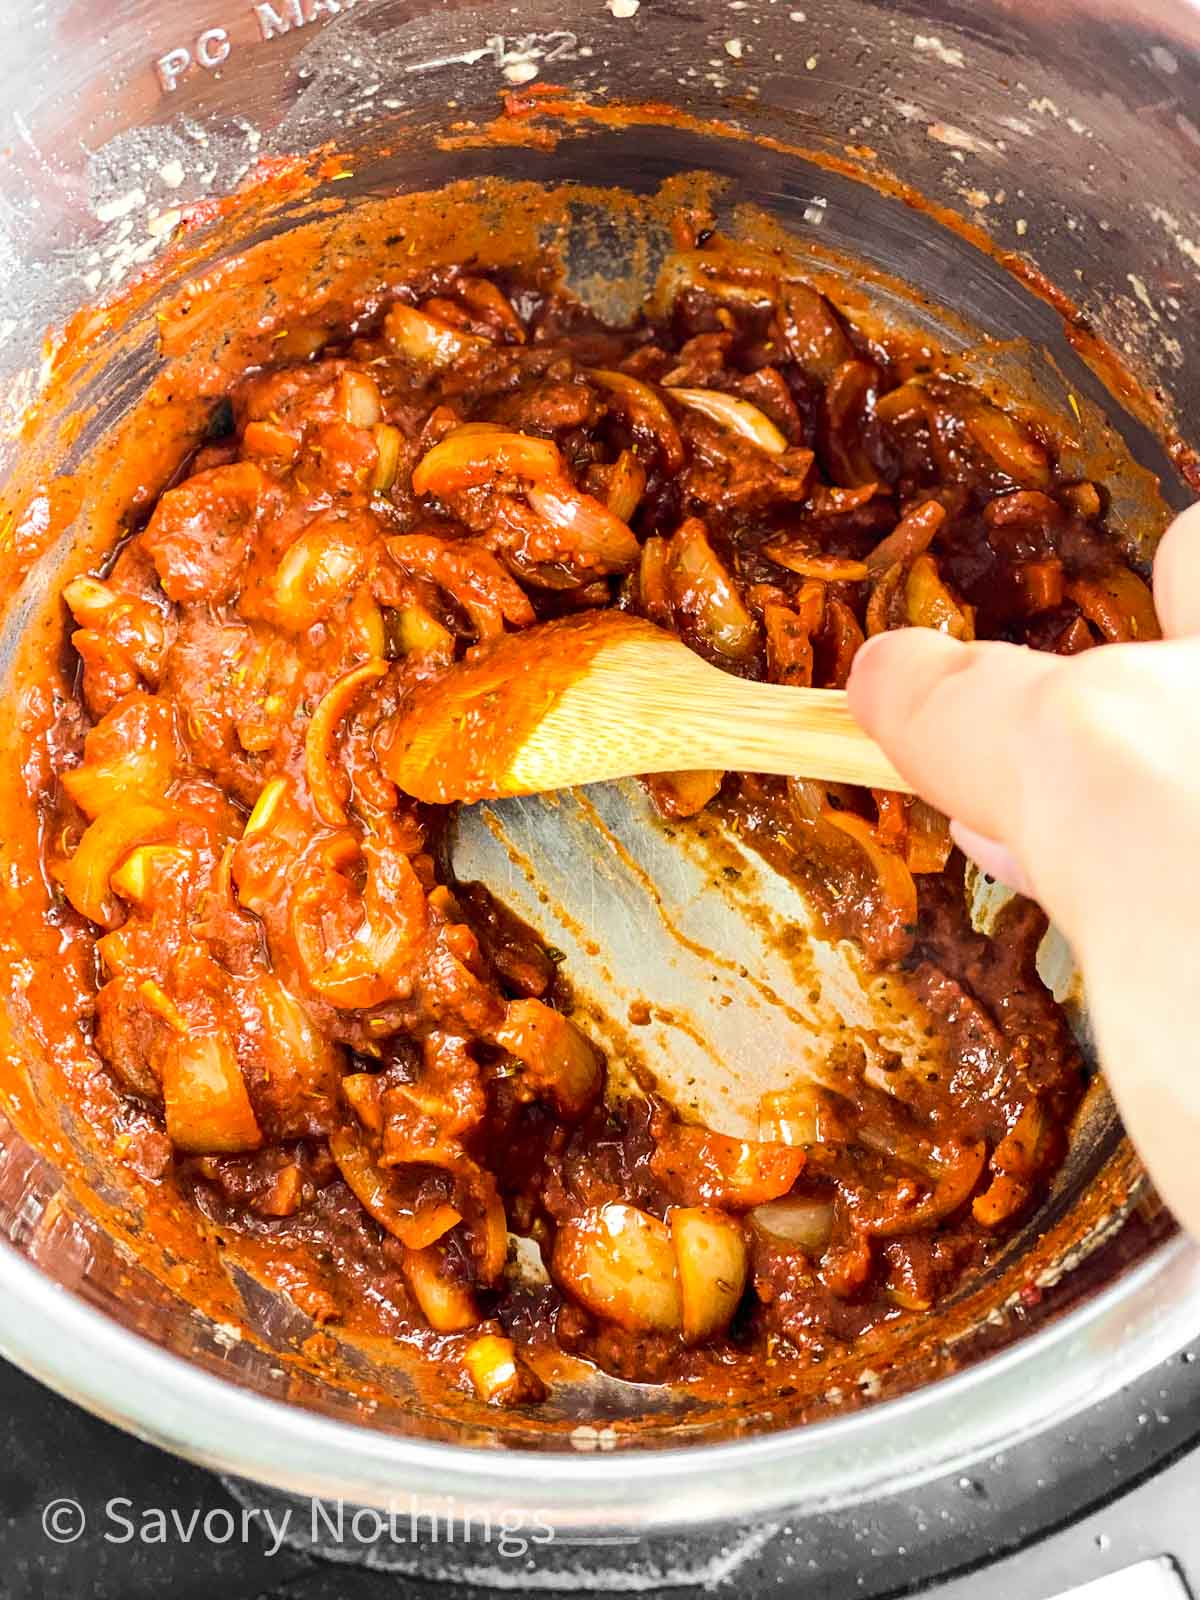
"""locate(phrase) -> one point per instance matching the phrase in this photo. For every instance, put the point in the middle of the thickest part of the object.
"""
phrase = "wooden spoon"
(604, 695)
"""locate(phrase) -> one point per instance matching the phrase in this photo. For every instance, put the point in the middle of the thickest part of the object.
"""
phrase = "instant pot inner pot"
(613, 188)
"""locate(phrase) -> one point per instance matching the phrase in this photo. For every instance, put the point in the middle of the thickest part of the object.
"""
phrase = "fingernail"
(991, 857)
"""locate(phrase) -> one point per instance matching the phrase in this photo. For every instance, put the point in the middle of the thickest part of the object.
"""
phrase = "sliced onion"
(929, 603)
(895, 880)
(644, 409)
(365, 629)
(147, 866)
(561, 1063)
(621, 1263)
(699, 1166)
(493, 1367)
(834, 500)
(809, 603)
(264, 864)
(359, 399)
(85, 877)
(431, 1222)
(841, 637)
(929, 842)
(314, 574)
(373, 965)
(957, 1177)
(1008, 442)
(129, 623)
(595, 539)
(739, 416)
(683, 794)
(416, 631)
(1014, 1165)
(815, 563)
(91, 602)
(1017, 1152)
(808, 802)
(155, 998)
(1004, 1195)
(626, 485)
(426, 340)
(447, 1305)
(884, 605)
(295, 1057)
(378, 1192)
(812, 332)
(891, 824)
(806, 1223)
(387, 457)
(846, 406)
(265, 807)
(789, 646)
(791, 1116)
(318, 741)
(710, 1250)
(470, 574)
(653, 580)
(128, 755)
(703, 592)
(473, 454)
(911, 537)
(492, 304)
(909, 402)
(739, 283)
(208, 1111)
(1118, 604)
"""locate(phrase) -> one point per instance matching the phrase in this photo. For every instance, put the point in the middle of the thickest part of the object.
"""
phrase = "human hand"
(1077, 780)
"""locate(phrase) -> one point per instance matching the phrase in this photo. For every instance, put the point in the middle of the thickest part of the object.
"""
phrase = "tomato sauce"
(331, 1044)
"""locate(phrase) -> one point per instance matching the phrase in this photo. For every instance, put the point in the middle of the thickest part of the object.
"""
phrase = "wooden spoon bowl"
(604, 695)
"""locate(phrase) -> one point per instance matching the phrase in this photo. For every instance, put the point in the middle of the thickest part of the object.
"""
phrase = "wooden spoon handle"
(652, 705)
(765, 727)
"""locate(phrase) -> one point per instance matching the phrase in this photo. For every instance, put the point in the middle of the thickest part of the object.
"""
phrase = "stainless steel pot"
(1070, 136)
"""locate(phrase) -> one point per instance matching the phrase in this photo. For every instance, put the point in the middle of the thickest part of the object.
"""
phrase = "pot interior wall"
(952, 115)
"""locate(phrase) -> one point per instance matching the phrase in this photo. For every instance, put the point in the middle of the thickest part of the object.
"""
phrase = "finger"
(1177, 576)
(951, 718)
(990, 857)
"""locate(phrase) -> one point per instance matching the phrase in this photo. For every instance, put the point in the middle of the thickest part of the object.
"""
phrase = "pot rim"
(1144, 1317)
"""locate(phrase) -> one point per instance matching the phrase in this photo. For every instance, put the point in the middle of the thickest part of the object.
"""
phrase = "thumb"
(953, 718)
(1177, 576)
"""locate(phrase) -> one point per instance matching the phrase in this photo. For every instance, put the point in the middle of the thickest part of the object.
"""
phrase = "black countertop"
(1120, 1486)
